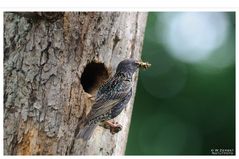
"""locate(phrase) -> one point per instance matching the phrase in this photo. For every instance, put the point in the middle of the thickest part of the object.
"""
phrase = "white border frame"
(116, 5)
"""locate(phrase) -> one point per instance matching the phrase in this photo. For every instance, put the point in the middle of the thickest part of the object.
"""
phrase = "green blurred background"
(185, 103)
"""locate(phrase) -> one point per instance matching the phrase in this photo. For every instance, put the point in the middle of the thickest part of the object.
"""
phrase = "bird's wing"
(106, 100)
(99, 109)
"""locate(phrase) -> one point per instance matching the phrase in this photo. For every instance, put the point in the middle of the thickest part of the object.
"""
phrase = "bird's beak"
(142, 64)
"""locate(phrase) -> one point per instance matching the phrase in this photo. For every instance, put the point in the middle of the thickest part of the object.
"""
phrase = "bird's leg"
(114, 127)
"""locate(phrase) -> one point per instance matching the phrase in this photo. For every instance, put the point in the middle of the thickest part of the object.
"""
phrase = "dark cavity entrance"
(94, 75)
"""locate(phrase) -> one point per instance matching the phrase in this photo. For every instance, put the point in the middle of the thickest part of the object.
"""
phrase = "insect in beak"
(144, 65)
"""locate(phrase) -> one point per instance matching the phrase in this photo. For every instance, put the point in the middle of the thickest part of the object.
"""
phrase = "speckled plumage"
(112, 97)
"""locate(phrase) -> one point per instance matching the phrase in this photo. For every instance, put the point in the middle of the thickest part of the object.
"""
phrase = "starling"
(112, 97)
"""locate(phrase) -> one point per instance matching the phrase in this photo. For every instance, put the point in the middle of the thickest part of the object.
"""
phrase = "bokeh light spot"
(193, 36)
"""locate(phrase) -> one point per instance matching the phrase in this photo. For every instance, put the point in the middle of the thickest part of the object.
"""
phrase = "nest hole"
(94, 75)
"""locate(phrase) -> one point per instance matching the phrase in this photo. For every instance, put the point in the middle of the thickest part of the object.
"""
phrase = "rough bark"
(45, 91)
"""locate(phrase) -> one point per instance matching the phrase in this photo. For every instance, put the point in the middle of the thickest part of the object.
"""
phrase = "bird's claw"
(114, 127)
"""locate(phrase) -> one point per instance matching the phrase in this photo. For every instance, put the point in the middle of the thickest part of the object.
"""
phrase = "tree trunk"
(52, 62)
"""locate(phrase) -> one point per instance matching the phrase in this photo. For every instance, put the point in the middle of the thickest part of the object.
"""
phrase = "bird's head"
(130, 66)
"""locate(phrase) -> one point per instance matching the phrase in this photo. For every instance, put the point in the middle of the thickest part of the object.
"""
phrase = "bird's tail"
(86, 132)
